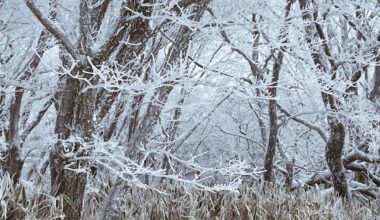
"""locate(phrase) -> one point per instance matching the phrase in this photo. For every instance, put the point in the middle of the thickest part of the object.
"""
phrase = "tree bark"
(375, 93)
(273, 126)
(333, 154)
(60, 178)
(273, 130)
(13, 162)
(75, 119)
(335, 143)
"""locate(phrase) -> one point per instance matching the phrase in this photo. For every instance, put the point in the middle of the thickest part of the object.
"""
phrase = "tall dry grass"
(16, 204)
(246, 203)
(123, 202)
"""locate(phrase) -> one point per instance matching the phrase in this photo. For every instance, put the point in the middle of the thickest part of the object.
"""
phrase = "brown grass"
(244, 204)
(116, 202)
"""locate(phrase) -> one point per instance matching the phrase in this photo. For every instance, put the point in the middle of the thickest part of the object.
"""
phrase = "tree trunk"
(13, 162)
(74, 119)
(273, 126)
(60, 178)
(272, 141)
(375, 93)
(335, 144)
(333, 155)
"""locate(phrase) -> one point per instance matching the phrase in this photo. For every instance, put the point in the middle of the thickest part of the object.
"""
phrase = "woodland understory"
(189, 109)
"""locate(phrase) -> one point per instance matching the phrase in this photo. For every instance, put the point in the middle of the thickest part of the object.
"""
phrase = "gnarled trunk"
(13, 162)
(335, 144)
(75, 119)
(333, 155)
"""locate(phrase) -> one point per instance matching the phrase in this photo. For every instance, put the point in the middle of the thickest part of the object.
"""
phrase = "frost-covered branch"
(37, 120)
(54, 30)
(107, 156)
(305, 123)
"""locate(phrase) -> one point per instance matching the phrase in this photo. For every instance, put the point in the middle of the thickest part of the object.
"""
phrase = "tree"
(200, 94)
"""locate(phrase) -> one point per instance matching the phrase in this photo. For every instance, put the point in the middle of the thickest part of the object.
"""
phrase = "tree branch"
(69, 47)
(33, 124)
(107, 48)
(98, 16)
(305, 123)
(361, 156)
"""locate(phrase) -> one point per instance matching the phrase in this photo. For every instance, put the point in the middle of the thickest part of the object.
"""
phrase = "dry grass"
(245, 204)
(16, 204)
(116, 202)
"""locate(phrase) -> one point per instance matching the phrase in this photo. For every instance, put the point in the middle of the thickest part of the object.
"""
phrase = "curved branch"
(53, 29)
(358, 167)
(301, 121)
(361, 156)
(40, 115)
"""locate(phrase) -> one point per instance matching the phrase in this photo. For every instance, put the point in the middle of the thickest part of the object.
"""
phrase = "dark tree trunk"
(273, 130)
(335, 144)
(375, 93)
(75, 118)
(273, 126)
(2, 110)
(60, 178)
(13, 162)
(333, 155)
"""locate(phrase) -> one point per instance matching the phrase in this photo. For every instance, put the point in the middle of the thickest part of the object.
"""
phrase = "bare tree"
(273, 130)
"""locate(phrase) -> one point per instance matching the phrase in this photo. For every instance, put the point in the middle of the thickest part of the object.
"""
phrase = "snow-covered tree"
(203, 94)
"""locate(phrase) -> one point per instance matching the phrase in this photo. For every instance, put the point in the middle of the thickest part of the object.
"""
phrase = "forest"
(189, 109)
